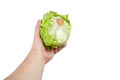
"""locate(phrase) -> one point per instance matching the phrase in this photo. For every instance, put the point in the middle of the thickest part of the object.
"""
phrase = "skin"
(33, 65)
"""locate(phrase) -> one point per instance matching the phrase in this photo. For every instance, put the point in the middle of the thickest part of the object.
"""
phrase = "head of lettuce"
(55, 29)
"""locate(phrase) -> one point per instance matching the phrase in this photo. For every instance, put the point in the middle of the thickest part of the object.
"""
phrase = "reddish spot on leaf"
(60, 22)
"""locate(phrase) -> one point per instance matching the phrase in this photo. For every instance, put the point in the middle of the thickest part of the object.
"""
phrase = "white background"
(93, 50)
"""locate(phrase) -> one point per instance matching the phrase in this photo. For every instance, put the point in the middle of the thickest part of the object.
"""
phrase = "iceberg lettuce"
(55, 29)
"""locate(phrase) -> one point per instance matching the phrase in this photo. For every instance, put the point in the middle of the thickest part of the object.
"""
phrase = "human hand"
(32, 67)
(39, 48)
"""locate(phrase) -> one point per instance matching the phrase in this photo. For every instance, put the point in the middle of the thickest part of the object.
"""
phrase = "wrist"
(38, 56)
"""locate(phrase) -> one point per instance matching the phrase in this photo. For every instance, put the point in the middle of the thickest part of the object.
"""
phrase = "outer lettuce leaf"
(48, 39)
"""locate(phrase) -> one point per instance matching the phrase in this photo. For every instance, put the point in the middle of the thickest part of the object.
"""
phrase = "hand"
(39, 48)
(32, 67)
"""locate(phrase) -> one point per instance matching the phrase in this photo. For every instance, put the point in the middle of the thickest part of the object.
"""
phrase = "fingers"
(59, 48)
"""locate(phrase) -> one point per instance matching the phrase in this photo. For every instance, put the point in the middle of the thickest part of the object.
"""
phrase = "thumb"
(37, 38)
(37, 28)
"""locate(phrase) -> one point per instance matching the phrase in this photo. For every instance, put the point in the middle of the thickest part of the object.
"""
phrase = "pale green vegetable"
(55, 29)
